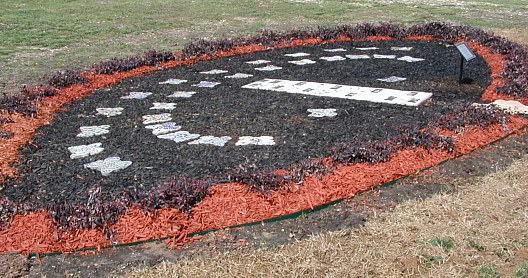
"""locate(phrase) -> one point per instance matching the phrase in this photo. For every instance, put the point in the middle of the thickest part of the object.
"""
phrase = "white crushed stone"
(163, 128)
(239, 75)
(110, 112)
(182, 94)
(258, 62)
(380, 56)
(319, 113)
(302, 62)
(108, 165)
(137, 95)
(333, 58)
(268, 68)
(392, 79)
(206, 84)
(163, 106)
(89, 131)
(211, 140)
(85, 150)
(157, 118)
(215, 71)
(357, 57)
(250, 140)
(173, 81)
(298, 54)
(179, 136)
(410, 59)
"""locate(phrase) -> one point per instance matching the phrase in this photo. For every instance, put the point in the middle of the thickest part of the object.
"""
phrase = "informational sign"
(464, 50)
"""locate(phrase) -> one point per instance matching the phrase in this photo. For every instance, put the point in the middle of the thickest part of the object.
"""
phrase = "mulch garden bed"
(51, 200)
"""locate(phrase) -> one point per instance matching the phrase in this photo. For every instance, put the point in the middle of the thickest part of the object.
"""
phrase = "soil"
(346, 215)
(48, 175)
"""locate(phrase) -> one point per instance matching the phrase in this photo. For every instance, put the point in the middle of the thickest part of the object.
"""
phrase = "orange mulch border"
(229, 203)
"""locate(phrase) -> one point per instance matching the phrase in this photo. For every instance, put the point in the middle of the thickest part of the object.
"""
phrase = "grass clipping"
(481, 230)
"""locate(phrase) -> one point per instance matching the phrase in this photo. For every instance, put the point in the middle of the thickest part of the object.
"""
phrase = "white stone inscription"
(239, 75)
(302, 62)
(109, 165)
(333, 58)
(110, 112)
(357, 57)
(89, 131)
(179, 136)
(268, 68)
(392, 79)
(215, 71)
(182, 94)
(163, 128)
(380, 95)
(206, 84)
(163, 106)
(410, 59)
(211, 140)
(173, 81)
(319, 113)
(250, 140)
(157, 118)
(298, 54)
(85, 150)
(137, 95)
(258, 62)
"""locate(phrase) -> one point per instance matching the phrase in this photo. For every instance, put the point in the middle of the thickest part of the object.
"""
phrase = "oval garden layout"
(237, 131)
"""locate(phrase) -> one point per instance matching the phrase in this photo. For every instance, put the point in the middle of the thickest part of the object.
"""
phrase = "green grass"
(41, 35)
(521, 270)
(444, 243)
(488, 271)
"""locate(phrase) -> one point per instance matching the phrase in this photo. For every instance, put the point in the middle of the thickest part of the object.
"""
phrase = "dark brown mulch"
(48, 174)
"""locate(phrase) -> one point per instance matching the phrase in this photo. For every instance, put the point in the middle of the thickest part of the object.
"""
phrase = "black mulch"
(48, 175)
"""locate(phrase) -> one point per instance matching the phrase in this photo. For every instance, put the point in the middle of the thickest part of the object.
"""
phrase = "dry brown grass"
(486, 221)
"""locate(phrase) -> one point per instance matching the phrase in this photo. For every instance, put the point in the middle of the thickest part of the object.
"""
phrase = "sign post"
(465, 54)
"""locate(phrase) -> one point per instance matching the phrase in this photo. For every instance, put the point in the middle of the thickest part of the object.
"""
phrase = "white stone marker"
(182, 94)
(268, 68)
(157, 118)
(109, 165)
(410, 59)
(258, 62)
(379, 56)
(163, 128)
(298, 54)
(215, 71)
(333, 58)
(335, 50)
(392, 79)
(401, 48)
(163, 106)
(302, 62)
(137, 95)
(250, 140)
(173, 81)
(89, 131)
(211, 140)
(319, 113)
(206, 84)
(367, 48)
(239, 75)
(85, 150)
(179, 136)
(357, 57)
(380, 95)
(110, 112)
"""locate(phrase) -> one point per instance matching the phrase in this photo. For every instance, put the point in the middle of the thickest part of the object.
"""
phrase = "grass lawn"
(38, 37)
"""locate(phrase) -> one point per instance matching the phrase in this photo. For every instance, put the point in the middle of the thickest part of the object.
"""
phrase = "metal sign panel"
(464, 50)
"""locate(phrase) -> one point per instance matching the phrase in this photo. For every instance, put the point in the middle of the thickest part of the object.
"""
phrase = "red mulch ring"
(227, 204)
